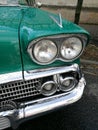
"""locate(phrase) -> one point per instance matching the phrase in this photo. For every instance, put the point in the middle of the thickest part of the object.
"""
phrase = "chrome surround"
(82, 37)
(68, 78)
(49, 94)
(38, 62)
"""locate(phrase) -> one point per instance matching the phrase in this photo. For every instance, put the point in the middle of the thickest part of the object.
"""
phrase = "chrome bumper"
(35, 108)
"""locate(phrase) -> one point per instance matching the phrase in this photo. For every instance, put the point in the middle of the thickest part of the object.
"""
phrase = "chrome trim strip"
(44, 105)
(9, 77)
(4, 123)
(34, 74)
(58, 20)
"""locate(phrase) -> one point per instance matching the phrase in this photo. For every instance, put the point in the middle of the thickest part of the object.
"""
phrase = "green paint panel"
(10, 59)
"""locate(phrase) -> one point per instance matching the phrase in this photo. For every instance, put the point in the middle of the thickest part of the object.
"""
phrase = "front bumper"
(12, 118)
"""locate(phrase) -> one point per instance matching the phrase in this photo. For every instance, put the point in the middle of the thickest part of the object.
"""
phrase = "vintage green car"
(39, 62)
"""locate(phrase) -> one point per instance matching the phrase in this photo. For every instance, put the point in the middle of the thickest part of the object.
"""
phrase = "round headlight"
(45, 51)
(71, 48)
(68, 84)
(48, 88)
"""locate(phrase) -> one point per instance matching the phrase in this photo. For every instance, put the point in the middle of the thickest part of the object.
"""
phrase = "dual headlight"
(46, 51)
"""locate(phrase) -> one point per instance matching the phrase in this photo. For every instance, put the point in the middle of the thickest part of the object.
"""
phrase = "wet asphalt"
(82, 115)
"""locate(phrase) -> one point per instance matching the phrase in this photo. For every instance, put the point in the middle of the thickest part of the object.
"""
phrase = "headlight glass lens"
(45, 51)
(71, 48)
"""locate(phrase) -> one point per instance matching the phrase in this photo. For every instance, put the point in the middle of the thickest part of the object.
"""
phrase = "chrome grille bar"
(4, 123)
(19, 89)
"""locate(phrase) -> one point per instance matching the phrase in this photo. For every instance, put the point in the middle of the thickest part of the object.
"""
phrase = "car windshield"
(16, 2)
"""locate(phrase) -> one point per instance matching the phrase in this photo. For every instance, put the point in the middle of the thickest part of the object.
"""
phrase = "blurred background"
(83, 12)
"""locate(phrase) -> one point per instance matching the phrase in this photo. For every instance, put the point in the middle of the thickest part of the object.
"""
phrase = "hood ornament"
(57, 20)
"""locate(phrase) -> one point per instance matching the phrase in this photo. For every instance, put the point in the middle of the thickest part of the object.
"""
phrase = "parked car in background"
(39, 62)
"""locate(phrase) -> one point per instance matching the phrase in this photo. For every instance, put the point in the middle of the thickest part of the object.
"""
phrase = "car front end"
(45, 73)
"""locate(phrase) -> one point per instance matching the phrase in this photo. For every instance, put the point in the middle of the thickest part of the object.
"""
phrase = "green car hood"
(38, 23)
(18, 27)
(10, 58)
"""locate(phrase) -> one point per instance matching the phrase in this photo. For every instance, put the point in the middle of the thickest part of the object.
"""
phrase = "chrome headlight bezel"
(31, 51)
(58, 41)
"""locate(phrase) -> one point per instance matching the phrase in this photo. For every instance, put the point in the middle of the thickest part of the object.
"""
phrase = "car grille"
(19, 90)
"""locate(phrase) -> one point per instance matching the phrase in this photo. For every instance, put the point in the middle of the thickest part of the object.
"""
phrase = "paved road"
(82, 115)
